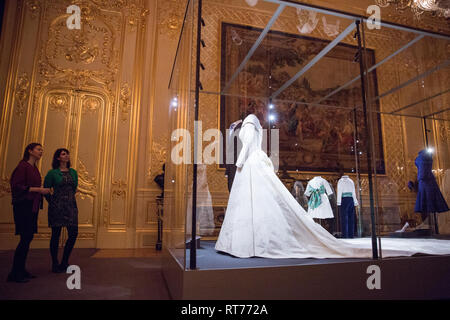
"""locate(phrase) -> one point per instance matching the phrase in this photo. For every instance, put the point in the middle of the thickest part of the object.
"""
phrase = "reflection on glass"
(205, 214)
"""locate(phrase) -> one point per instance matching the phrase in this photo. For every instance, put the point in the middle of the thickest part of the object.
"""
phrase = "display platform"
(209, 258)
(221, 276)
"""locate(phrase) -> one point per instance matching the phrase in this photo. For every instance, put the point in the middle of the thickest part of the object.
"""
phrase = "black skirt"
(24, 217)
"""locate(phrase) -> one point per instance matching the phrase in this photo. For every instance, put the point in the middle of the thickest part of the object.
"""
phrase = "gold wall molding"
(84, 195)
(158, 157)
(34, 7)
(21, 93)
(170, 17)
(125, 104)
(137, 16)
(47, 236)
(119, 189)
(87, 236)
(90, 105)
(59, 102)
(73, 80)
(85, 57)
(89, 182)
(105, 213)
(5, 187)
(151, 216)
(42, 236)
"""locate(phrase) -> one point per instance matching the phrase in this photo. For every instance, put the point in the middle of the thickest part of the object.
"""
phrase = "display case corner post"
(363, 74)
(192, 242)
(425, 130)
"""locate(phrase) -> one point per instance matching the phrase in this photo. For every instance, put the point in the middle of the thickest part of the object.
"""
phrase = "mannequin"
(318, 190)
(429, 197)
(205, 214)
(232, 151)
(346, 201)
(234, 146)
(298, 191)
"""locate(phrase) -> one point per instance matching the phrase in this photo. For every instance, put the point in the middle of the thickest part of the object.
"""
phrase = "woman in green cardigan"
(62, 206)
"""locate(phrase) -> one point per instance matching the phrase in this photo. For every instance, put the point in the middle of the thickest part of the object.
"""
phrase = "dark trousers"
(347, 214)
(56, 234)
(20, 255)
(231, 172)
(26, 226)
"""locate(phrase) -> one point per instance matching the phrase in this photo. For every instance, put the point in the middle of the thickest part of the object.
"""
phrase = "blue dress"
(429, 197)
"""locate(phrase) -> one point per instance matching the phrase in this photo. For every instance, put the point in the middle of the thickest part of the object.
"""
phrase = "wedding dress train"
(263, 219)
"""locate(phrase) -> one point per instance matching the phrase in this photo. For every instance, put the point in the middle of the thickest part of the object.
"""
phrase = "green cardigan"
(54, 178)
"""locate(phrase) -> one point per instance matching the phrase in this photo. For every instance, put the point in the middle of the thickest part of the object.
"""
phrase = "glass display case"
(411, 100)
(337, 97)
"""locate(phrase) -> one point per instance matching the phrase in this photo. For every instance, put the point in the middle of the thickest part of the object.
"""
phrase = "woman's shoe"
(28, 275)
(63, 267)
(56, 269)
(404, 228)
(14, 278)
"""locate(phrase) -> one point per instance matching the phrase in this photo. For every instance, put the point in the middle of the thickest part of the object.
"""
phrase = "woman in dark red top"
(26, 200)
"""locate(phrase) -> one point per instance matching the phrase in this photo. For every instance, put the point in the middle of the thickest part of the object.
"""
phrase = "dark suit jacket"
(230, 170)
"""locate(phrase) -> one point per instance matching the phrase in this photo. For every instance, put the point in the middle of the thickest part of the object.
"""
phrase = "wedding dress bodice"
(251, 142)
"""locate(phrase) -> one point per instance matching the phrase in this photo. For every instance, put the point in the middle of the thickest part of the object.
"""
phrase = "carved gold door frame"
(75, 119)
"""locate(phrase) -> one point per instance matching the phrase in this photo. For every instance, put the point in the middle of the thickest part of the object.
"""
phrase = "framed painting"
(315, 134)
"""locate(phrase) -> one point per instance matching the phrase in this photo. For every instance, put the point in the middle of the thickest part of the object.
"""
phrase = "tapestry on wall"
(314, 137)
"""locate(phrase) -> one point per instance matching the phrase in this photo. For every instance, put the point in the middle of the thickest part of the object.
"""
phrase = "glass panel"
(314, 128)
(298, 72)
(411, 99)
(177, 166)
(440, 142)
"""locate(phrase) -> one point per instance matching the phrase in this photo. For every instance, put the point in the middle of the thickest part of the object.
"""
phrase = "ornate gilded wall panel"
(77, 90)
(170, 17)
(158, 157)
(151, 217)
(74, 120)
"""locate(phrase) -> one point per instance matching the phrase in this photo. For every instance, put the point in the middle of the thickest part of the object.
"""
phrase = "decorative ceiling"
(423, 14)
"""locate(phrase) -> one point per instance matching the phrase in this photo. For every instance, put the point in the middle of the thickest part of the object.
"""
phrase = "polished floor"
(128, 274)
(106, 274)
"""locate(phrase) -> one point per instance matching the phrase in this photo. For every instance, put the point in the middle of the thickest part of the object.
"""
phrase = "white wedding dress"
(263, 219)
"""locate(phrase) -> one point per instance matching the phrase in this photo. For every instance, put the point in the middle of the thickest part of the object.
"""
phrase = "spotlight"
(271, 106)
(174, 102)
(430, 150)
(271, 117)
